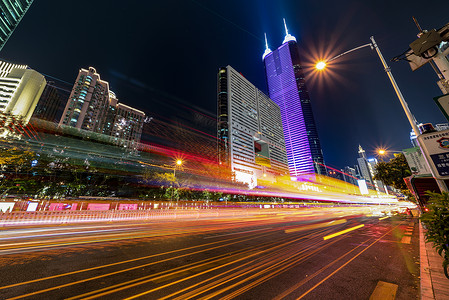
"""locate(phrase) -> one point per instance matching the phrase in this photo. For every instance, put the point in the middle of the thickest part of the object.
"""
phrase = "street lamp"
(385, 151)
(177, 164)
(322, 64)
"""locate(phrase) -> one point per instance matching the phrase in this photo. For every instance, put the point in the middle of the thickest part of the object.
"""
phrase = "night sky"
(175, 48)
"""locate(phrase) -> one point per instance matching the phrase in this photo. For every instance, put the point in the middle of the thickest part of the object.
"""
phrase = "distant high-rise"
(251, 141)
(367, 171)
(287, 88)
(12, 11)
(93, 107)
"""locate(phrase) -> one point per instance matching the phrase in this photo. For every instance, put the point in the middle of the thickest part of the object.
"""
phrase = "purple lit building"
(287, 88)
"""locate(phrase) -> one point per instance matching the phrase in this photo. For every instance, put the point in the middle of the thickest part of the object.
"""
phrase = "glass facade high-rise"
(11, 12)
(287, 88)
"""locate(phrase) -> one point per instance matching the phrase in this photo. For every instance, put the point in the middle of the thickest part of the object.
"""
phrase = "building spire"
(267, 50)
(361, 152)
(288, 37)
(286, 29)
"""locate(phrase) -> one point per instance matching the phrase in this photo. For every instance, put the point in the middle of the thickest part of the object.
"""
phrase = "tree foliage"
(393, 172)
(436, 220)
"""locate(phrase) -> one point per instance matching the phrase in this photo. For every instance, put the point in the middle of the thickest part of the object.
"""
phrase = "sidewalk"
(434, 285)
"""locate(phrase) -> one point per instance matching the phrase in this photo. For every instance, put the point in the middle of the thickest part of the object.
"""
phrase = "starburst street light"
(410, 117)
(178, 163)
(320, 65)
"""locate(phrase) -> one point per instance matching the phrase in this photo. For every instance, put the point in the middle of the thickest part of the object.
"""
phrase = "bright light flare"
(179, 162)
(320, 65)
(381, 151)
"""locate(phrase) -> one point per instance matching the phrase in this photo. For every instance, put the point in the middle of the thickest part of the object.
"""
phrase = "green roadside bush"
(436, 221)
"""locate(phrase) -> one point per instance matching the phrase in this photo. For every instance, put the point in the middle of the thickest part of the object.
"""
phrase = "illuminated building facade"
(287, 88)
(20, 90)
(88, 102)
(123, 123)
(93, 107)
(251, 141)
(12, 11)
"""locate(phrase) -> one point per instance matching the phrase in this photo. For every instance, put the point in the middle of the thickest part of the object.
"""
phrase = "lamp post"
(322, 64)
(178, 163)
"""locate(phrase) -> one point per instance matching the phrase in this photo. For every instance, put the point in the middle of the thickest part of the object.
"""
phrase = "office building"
(20, 90)
(93, 107)
(251, 141)
(287, 88)
(350, 175)
(367, 171)
(6, 68)
(12, 11)
(50, 104)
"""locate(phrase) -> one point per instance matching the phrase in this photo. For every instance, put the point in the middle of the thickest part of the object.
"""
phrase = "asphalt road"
(279, 256)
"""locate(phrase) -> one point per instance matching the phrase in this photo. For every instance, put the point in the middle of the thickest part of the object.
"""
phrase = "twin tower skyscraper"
(239, 102)
(287, 88)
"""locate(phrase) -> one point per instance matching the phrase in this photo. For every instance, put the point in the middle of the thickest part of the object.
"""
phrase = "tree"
(393, 172)
(16, 158)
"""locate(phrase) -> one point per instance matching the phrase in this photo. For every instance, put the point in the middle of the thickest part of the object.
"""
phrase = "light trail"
(234, 241)
(343, 232)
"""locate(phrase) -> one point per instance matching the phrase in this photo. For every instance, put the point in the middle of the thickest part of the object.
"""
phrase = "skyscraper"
(251, 141)
(12, 11)
(88, 102)
(93, 107)
(287, 88)
(367, 170)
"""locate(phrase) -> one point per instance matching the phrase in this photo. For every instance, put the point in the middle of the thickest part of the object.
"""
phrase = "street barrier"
(27, 218)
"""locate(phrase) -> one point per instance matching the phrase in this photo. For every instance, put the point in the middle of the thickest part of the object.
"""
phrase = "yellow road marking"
(383, 218)
(406, 239)
(342, 232)
(313, 226)
(384, 291)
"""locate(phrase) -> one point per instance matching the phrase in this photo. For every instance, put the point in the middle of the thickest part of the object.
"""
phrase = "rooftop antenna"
(267, 50)
(286, 29)
(288, 37)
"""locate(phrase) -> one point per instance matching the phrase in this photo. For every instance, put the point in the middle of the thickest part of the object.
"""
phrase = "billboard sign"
(435, 146)
(363, 187)
(416, 161)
